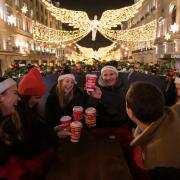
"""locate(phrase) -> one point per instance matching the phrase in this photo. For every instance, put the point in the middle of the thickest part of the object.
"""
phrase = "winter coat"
(111, 111)
(38, 136)
(160, 143)
(53, 110)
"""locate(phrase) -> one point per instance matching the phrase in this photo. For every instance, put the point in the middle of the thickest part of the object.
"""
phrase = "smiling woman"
(10, 129)
(8, 96)
(62, 98)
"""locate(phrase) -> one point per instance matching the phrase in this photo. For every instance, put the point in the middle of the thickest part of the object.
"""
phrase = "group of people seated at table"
(28, 141)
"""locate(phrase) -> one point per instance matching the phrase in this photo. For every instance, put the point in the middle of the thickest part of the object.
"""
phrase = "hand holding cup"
(97, 93)
(61, 133)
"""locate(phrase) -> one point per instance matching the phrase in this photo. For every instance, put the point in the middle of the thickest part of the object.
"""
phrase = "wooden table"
(93, 158)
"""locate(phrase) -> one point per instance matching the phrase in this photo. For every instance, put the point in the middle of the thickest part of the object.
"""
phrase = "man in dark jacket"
(109, 99)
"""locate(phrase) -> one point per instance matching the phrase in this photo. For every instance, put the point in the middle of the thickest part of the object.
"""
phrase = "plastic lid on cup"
(91, 75)
(77, 108)
(65, 118)
(90, 110)
(76, 124)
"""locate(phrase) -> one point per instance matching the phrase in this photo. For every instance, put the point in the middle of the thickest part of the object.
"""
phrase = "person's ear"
(129, 112)
(1, 97)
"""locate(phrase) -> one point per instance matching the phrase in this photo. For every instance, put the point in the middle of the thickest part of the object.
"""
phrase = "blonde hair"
(4, 136)
(63, 100)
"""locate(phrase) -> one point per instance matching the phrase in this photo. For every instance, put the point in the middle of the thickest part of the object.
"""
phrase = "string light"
(11, 20)
(24, 9)
(142, 36)
(79, 19)
(101, 53)
(174, 28)
(142, 33)
(112, 18)
(167, 36)
(45, 34)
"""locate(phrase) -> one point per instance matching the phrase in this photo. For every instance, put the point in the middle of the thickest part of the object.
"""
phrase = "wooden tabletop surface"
(93, 158)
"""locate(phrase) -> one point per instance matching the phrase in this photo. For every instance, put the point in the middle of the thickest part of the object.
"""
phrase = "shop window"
(21, 63)
(173, 15)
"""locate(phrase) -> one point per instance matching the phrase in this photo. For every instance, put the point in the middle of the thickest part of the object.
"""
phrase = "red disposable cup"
(90, 82)
(76, 127)
(77, 113)
(90, 117)
(66, 121)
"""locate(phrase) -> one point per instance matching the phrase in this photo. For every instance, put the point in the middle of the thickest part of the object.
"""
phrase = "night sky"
(94, 7)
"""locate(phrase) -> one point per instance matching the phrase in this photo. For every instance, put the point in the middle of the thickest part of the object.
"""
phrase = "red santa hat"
(32, 84)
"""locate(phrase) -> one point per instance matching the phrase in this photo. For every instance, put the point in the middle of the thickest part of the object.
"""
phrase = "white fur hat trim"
(6, 84)
(177, 80)
(109, 68)
(71, 76)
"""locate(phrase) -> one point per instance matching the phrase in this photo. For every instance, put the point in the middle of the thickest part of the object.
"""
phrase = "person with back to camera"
(62, 98)
(157, 132)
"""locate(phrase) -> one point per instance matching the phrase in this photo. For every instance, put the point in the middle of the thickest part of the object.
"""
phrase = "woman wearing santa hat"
(62, 98)
(10, 131)
(39, 140)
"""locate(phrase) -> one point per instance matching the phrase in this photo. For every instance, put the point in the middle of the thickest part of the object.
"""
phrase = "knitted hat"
(61, 77)
(32, 84)
(6, 84)
(112, 68)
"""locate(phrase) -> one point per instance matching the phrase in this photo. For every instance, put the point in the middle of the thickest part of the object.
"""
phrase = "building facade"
(167, 42)
(16, 40)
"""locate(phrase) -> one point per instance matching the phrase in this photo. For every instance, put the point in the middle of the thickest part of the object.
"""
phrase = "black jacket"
(111, 111)
(38, 136)
(54, 112)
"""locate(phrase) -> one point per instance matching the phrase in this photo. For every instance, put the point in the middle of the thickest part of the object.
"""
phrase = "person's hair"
(13, 119)
(63, 100)
(1, 80)
(146, 101)
(5, 136)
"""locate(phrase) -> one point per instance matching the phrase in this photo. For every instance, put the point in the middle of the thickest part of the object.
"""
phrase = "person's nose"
(18, 98)
(108, 78)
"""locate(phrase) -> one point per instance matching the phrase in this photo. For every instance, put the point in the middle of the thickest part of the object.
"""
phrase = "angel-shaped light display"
(109, 19)
(94, 27)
